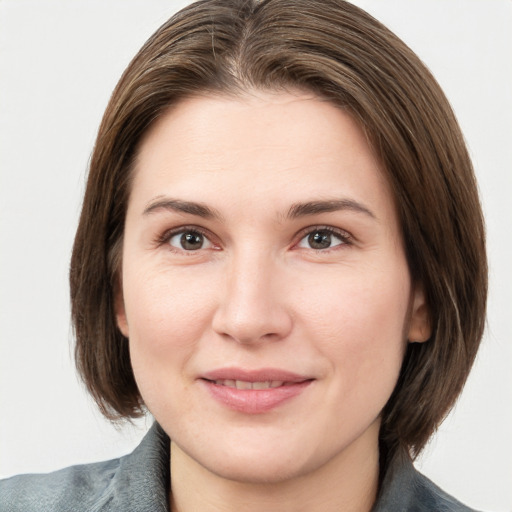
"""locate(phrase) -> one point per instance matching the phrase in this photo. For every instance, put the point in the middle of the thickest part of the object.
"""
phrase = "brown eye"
(322, 239)
(319, 240)
(189, 241)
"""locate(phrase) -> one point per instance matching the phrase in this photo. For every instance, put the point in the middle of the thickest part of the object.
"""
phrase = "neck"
(348, 482)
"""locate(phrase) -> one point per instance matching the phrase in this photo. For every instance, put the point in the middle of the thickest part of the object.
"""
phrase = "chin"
(258, 459)
(259, 469)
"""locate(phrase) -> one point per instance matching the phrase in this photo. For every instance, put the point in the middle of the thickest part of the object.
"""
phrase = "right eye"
(189, 240)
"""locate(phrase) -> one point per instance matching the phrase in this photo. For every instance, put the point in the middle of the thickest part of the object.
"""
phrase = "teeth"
(241, 384)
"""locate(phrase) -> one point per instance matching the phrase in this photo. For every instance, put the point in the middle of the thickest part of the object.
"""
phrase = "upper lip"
(257, 375)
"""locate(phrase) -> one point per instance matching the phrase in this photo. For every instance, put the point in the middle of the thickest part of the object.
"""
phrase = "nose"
(252, 304)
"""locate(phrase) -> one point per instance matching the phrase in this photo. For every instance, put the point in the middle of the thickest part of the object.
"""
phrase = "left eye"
(322, 239)
(189, 241)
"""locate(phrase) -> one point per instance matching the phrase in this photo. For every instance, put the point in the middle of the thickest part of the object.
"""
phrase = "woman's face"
(265, 291)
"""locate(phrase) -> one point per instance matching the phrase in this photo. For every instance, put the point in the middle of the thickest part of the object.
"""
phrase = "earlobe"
(420, 328)
(122, 322)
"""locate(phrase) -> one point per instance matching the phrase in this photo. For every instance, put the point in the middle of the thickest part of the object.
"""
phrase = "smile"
(254, 391)
(243, 384)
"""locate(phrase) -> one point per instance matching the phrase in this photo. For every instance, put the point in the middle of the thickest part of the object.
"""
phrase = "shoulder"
(404, 489)
(137, 482)
(73, 488)
(428, 497)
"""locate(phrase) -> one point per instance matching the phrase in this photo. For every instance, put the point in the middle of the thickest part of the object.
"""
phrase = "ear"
(120, 310)
(420, 328)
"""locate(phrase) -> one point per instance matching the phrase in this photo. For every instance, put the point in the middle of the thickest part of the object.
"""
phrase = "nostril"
(253, 328)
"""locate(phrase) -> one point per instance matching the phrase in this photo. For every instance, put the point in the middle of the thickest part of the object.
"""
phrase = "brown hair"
(344, 55)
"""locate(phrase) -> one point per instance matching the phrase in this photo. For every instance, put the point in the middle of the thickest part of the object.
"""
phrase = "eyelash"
(166, 236)
(345, 237)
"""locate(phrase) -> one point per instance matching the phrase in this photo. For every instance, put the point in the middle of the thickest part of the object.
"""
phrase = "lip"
(254, 401)
(259, 375)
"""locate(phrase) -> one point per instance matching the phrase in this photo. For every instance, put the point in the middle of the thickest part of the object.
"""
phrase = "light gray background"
(59, 61)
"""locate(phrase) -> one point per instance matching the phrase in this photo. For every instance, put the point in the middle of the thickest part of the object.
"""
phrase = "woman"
(281, 256)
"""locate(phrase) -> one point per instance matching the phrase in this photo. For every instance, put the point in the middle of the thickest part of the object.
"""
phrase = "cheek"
(167, 316)
(359, 323)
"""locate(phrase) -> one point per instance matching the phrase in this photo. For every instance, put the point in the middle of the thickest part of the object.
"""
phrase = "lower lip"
(254, 401)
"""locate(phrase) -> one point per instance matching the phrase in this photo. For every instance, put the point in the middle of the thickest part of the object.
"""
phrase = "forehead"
(281, 144)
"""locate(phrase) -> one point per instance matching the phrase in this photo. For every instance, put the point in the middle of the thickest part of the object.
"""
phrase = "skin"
(256, 294)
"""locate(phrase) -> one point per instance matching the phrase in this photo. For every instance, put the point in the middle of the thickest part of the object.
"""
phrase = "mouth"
(244, 384)
(254, 391)
(274, 377)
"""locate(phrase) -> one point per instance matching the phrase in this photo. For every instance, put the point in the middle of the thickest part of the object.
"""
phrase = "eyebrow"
(177, 205)
(296, 210)
(316, 207)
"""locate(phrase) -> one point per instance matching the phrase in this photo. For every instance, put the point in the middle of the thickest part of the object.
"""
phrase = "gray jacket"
(139, 482)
